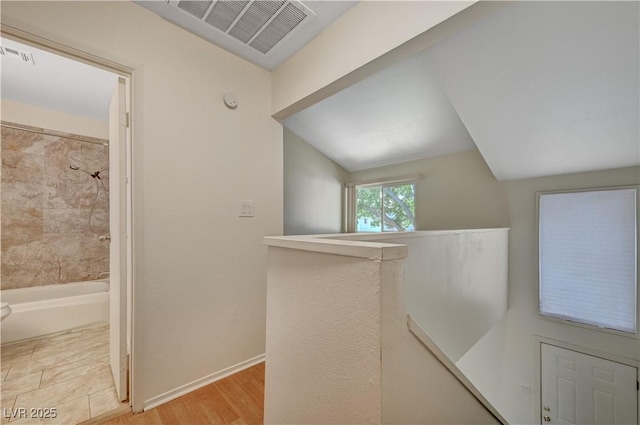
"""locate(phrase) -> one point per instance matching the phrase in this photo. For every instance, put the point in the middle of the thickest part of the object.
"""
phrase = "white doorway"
(577, 388)
(120, 249)
(74, 126)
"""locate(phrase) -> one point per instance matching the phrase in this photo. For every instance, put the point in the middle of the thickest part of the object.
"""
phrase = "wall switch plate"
(245, 208)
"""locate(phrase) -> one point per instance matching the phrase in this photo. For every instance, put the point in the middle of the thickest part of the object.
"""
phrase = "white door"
(581, 389)
(118, 248)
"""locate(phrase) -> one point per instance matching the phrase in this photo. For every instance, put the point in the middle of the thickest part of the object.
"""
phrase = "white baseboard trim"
(199, 383)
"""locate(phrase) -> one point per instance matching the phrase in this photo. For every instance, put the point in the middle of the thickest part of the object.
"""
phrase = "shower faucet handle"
(106, 237)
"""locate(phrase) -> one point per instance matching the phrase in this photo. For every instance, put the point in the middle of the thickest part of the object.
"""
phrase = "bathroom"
(55, 238)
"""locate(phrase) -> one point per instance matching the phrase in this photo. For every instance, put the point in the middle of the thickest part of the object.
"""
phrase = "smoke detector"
(21, 55)
(259, 24)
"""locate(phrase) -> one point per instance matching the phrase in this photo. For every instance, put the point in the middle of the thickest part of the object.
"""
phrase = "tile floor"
(69, 372)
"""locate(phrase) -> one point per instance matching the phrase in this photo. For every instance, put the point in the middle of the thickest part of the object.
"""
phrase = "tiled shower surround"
(45, 207)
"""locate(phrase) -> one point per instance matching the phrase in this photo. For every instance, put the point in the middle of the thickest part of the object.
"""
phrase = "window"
(385, 207)
(587, 254)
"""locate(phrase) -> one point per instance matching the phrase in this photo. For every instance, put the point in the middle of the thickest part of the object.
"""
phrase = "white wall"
(416, 387)
(34, 116)
(523, 289)
(202, 308)
(509, 354)
(313, 189)
(455, 284)
(457, 191)
(338, 346)
(323, 339)
(353, 41)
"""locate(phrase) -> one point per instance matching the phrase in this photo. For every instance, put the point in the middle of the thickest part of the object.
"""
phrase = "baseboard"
(199, 383)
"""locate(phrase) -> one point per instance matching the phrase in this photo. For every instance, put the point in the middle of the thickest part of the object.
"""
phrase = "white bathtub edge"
(41, 317)
(199, 383)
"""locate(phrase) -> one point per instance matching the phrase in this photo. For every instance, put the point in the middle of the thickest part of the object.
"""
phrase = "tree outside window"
(386, 208)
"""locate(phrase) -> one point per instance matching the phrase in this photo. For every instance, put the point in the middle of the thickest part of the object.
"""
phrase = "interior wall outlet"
(245, 208)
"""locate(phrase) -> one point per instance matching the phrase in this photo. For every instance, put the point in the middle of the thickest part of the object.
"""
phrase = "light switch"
(245, 208)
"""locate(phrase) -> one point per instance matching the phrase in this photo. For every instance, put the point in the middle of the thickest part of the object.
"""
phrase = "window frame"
(570, 322)
(351, 216)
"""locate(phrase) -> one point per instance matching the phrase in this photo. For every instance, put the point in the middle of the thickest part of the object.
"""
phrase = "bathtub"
(48, 309)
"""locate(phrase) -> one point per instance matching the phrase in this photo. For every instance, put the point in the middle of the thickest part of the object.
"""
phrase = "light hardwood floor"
(238, 399)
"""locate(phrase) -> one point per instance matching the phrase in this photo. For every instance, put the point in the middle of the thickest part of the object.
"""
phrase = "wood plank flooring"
(238, 399)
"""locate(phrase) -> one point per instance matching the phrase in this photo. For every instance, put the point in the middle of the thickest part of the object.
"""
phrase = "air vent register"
(259, 24)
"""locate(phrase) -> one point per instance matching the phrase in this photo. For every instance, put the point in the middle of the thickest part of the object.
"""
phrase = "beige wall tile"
(99, 219)
(62, 245)
(22, 275)
(24, 141)
(46, 237)
(21, 166)
(24, 194)
(18, 251)
(21, 224)
(59, 154)
(66, 220)
(62, 270)
(90, 268)
(92, 247)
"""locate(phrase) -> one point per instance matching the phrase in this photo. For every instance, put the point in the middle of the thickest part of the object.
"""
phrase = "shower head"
(95, 175)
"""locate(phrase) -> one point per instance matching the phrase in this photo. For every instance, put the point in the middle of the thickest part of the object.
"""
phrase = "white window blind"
(587, 248)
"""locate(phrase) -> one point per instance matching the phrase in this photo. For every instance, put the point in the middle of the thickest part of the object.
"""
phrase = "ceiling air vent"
(196, 8)
(259, 24)
(21, 55)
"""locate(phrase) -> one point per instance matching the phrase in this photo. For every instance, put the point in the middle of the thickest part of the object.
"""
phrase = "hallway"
(237, 399)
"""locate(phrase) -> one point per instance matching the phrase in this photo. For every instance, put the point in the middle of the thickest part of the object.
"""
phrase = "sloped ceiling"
(548, 88)
(541, 88)
(396, 115)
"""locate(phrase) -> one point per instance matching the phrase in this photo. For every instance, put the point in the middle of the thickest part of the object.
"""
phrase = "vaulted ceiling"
(541, 88)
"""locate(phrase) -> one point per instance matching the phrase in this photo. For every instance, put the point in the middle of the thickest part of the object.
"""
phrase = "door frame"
(134, 76)
(536, 385)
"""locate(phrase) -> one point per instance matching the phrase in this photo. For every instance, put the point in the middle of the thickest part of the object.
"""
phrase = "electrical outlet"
(245, 209)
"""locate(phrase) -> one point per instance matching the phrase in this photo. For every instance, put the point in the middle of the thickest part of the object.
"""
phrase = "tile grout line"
(4, 378)
(28, 359)
(89, 401)
(67, 380)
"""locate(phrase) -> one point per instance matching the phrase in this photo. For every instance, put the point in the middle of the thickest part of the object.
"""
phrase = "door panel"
(566, 401)
(581, 389)
(604, 407)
